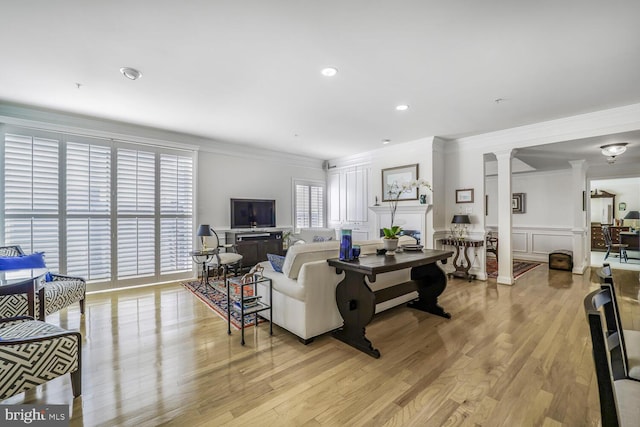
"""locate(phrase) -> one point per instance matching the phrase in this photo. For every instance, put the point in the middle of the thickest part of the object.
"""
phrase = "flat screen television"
(252, 213)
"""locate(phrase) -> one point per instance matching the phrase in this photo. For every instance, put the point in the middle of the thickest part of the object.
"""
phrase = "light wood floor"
(510, 356)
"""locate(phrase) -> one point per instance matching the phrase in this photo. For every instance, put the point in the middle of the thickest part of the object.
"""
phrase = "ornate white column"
(580, 197)
(505, 266)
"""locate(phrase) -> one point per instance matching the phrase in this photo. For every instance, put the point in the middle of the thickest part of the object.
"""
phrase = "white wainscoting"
(534, 243)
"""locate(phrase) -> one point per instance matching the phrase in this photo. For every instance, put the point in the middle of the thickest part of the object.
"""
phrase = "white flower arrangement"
(394, 195)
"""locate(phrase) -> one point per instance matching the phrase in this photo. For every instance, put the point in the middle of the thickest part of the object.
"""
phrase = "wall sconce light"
(613, 150)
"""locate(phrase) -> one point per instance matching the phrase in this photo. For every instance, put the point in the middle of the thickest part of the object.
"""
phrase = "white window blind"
(136, 209)
(309, 205)
(176, 209)
(88, 207)
(31, 177)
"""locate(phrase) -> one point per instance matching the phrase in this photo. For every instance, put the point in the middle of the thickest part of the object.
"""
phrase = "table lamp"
(460, 223)
(203, 231)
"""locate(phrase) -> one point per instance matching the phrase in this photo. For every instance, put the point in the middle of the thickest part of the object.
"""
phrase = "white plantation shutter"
(136, 212)
(88, 172)
(31, 176)
(316, 203)
(115, 213)
(176, 210)
(309, 205)
(302, 207)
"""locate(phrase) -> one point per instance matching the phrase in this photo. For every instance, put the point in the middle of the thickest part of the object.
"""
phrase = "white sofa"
(304, 294)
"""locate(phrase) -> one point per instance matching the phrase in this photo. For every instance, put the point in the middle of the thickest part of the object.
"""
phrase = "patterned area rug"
(215, 297)
(519, 267)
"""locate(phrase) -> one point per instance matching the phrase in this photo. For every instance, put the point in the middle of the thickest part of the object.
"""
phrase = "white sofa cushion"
(297, 255)
(306, 235)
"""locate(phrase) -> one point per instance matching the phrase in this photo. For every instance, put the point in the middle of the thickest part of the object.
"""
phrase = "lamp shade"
(203, 230)
(461, 219)
(632, 215)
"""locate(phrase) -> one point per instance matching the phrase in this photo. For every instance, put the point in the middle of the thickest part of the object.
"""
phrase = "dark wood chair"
(629, 338)
(619, 394)
(492, 245)
(621, 248)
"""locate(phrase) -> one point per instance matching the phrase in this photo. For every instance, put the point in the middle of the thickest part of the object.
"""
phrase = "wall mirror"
(602, 205)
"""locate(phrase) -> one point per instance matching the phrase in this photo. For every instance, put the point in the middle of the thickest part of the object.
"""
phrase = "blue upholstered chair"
(54, 295)
(34, 352)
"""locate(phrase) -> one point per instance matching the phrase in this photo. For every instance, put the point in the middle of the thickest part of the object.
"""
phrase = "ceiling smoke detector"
(610, 151)
(130, 73)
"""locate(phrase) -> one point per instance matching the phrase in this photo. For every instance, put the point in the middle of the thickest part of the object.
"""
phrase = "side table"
(24, 281)
(248, 302)
(463, 247)
(203, 257)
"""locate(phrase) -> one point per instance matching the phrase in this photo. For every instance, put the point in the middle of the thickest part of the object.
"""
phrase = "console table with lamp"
(632, 237)
(463, 246)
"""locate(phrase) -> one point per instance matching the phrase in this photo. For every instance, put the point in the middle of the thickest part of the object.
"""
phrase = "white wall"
(225, 176)
(546, 201)
(223, 170)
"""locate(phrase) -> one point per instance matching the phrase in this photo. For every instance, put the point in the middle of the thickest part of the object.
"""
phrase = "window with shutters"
(309, 205)
(113, 213)
(88, 196)
(31, 194)
(176, 211)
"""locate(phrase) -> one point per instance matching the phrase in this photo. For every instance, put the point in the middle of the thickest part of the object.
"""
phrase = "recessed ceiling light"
(386, 141)
(329, 71)
(402, 107)
(130, 73)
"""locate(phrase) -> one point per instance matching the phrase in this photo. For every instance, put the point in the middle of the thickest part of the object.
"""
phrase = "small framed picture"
(517, 203)
(464, 195)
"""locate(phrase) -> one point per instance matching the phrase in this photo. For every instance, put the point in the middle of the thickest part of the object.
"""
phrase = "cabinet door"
(269, 247)
(249, 252)
(334, 197)
(357, 181)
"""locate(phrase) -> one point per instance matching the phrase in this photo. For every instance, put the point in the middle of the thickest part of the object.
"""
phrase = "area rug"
(216, 298)
(519, 267)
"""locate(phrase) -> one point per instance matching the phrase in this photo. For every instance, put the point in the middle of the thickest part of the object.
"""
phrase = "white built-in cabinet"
(348, 198)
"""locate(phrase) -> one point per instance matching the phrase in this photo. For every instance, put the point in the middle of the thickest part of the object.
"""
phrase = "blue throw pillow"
(276, 262)
(35, 260)
(321, 239)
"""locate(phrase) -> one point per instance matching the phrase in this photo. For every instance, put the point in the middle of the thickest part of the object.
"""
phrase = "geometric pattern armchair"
(34, 352)
(52, 296)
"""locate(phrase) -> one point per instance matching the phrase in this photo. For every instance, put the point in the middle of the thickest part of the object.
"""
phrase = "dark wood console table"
(633, 240)
(463, 246)
(357, 302)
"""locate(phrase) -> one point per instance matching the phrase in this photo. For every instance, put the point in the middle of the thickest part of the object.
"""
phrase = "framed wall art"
(518, 203)
(392, 180)
(464, 196)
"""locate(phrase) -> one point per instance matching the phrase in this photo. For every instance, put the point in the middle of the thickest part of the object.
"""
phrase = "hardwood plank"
(510, 355)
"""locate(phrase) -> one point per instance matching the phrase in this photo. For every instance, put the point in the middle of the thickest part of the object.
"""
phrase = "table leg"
(356, 304)
(431, 283)
(31, 300)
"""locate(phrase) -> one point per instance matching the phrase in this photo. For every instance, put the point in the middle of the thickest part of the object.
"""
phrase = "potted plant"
(391, 234)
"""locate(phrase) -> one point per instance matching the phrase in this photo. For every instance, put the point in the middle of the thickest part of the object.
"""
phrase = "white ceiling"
(248, 72)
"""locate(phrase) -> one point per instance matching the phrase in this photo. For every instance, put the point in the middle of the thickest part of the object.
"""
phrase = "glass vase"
(345, 245)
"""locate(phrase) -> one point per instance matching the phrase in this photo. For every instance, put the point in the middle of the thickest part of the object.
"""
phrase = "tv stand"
(254, 245)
